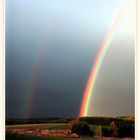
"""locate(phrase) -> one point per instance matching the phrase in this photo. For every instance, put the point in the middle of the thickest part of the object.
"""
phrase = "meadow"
(41, 126)
(46, 138)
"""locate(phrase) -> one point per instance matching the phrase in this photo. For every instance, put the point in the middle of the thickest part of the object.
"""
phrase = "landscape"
(84, 128)
(70, 70)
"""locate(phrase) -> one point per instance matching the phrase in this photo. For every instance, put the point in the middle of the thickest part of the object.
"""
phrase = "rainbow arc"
(89, 90)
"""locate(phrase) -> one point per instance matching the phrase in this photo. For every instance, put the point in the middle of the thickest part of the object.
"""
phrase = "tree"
(107, 131)
(81, 128)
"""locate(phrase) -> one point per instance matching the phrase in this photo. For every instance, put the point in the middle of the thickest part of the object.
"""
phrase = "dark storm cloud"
(50, 49)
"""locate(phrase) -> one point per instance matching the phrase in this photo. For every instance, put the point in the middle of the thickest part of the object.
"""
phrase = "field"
(60, 138)
(51, 126)
(41, 126)
(48, 126)
(47, 138)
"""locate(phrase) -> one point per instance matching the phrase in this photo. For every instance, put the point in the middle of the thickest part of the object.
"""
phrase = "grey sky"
(50, 49)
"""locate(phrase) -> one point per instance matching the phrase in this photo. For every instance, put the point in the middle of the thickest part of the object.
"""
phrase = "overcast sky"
(51, 46)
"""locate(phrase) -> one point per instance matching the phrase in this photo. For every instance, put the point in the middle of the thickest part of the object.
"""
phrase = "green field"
(47, 126)
(46, 138)
(42, 126)
(60, 138)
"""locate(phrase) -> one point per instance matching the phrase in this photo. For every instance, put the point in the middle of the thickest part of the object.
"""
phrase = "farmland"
(55, 130)
(41, 126)
(51, 127)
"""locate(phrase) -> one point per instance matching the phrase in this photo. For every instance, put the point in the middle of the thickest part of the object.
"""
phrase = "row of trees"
(97, 120)
(115, 129)
(105, 120)
(36, 120)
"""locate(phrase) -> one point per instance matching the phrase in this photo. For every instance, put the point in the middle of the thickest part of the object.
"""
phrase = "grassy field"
(46, 138)
(60, 138)
(42, 126)
(47, 126)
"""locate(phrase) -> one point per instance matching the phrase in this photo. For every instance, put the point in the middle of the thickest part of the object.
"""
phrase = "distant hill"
(96, 120)
(131, 118)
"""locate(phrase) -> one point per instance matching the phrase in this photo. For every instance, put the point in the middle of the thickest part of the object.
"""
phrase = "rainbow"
(34, 81)
(88, 93)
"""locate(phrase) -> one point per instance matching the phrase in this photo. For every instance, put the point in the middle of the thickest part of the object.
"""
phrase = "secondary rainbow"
(34, 81)
(88, 93)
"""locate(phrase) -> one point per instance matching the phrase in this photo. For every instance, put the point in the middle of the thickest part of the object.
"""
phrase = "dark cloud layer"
(50, 49)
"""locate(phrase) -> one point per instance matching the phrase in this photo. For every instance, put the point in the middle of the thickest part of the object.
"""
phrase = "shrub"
(81, 128)
(126, 131)
(107, 131)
